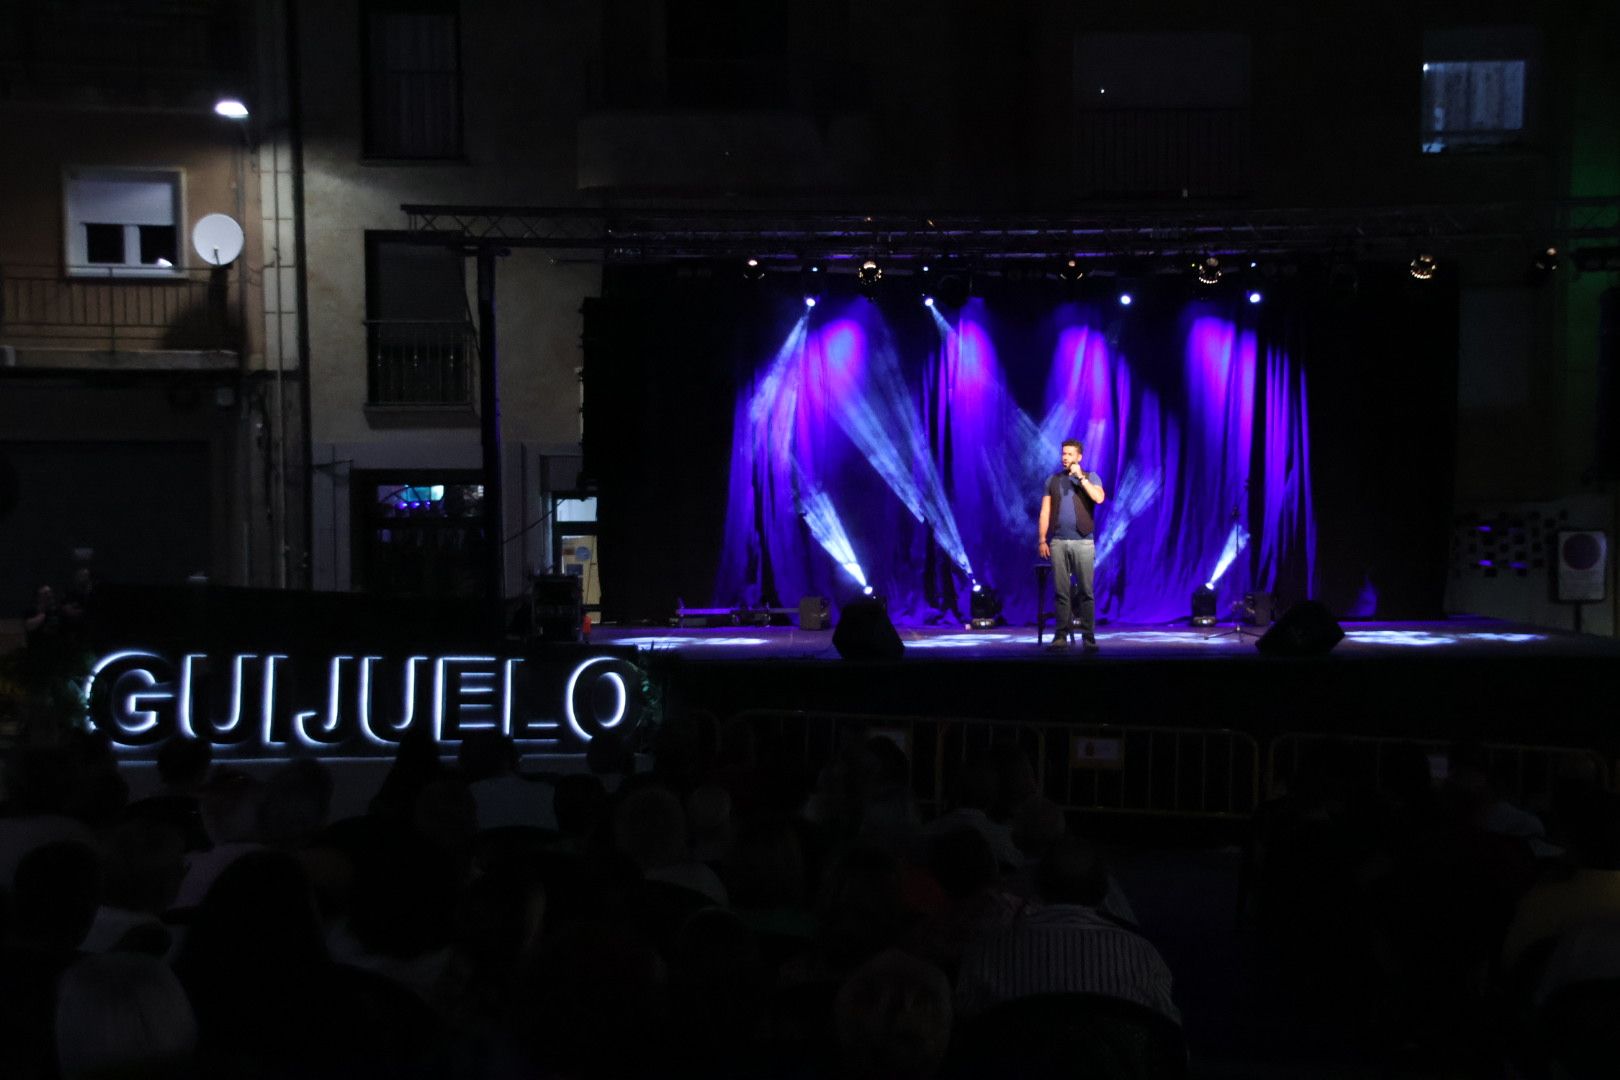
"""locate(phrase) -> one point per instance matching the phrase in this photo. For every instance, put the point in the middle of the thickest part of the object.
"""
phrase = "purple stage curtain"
(915, 463)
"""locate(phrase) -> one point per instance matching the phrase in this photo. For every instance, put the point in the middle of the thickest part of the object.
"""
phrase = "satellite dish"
(218, 239)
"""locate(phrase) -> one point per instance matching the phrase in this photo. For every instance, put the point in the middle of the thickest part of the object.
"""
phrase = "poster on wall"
(1582, 566)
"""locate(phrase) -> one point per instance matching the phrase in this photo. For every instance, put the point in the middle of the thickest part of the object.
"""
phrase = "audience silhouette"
(738, 914)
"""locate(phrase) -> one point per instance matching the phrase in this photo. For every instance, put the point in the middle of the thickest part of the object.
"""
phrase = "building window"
(412, 79)
(1470, 104)
(420, 338)
(122, 222)
(420, 533)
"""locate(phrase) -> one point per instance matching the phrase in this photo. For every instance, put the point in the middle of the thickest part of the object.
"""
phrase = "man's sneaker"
(1089, 643)
(1059, 641)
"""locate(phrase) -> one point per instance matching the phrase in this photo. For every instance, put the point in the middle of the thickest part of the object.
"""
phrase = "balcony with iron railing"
(96, 316)
(420, 366)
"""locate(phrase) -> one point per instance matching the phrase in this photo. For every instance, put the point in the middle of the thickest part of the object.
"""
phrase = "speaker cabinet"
(813, 613)
(558, 612)
(864, 632)
(1582, 566)
(1306, 629)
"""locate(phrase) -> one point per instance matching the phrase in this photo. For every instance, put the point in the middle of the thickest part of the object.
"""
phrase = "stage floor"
(1479, 637)
(1460, 677)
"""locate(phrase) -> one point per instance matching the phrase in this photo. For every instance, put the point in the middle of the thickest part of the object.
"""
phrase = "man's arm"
(1098, 495)
(1046, 523)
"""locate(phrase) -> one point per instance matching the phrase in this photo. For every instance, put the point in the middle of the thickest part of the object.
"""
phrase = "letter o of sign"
(582, 699)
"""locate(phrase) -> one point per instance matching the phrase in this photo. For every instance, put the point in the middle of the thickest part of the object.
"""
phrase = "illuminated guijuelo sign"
(358, 704)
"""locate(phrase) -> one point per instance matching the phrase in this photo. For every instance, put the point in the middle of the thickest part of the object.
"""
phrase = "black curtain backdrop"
(668, 350)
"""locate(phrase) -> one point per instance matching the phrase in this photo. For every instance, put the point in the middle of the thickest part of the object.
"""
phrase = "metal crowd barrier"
(1145, 770)
(819, 737)
(1518, 769)
(1139, 769)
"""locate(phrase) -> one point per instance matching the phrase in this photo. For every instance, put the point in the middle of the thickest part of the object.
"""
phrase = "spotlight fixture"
(868, 276)
(1071, 271)
(928, 301)
(867, 590)
(1208, 270)
(1543, 266)
(809, 301)
(985, 608)
(231, 109)
(1203, 606)
(1423, 267)
(752, 270)
(1124, 299)
(1255, 297)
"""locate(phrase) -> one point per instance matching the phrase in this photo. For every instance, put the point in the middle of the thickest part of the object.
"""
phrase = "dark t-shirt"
(1073, 511)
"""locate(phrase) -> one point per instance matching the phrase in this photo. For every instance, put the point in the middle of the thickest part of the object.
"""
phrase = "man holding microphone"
(1068, 522)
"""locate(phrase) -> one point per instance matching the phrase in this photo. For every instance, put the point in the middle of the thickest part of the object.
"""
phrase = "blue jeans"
(1074, 559)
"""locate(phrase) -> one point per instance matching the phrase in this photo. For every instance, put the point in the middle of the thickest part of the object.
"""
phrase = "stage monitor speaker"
(813, 613)
(1306, 629)
(558, 612)
(864, 632)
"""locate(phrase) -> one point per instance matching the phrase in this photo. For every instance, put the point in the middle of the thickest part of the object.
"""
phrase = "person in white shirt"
(1065, 944)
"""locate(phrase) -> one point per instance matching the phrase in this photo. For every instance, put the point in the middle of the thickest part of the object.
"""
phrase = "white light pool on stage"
(963, 641)
(1178, 637)
(678, 641)
(1429, 638)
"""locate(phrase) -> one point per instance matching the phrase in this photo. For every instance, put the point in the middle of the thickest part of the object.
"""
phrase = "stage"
(1444, 679)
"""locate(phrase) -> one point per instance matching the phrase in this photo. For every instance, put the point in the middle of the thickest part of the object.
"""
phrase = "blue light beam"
(1236, 541)
(883, 424)
(821, 517)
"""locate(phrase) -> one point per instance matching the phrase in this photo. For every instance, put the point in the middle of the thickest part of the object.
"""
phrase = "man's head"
(1072, 451)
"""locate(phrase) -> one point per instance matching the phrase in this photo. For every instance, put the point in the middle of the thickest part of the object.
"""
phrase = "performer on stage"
(1068, 520)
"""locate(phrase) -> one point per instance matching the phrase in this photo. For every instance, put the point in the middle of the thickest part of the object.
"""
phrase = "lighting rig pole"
(489, 422)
